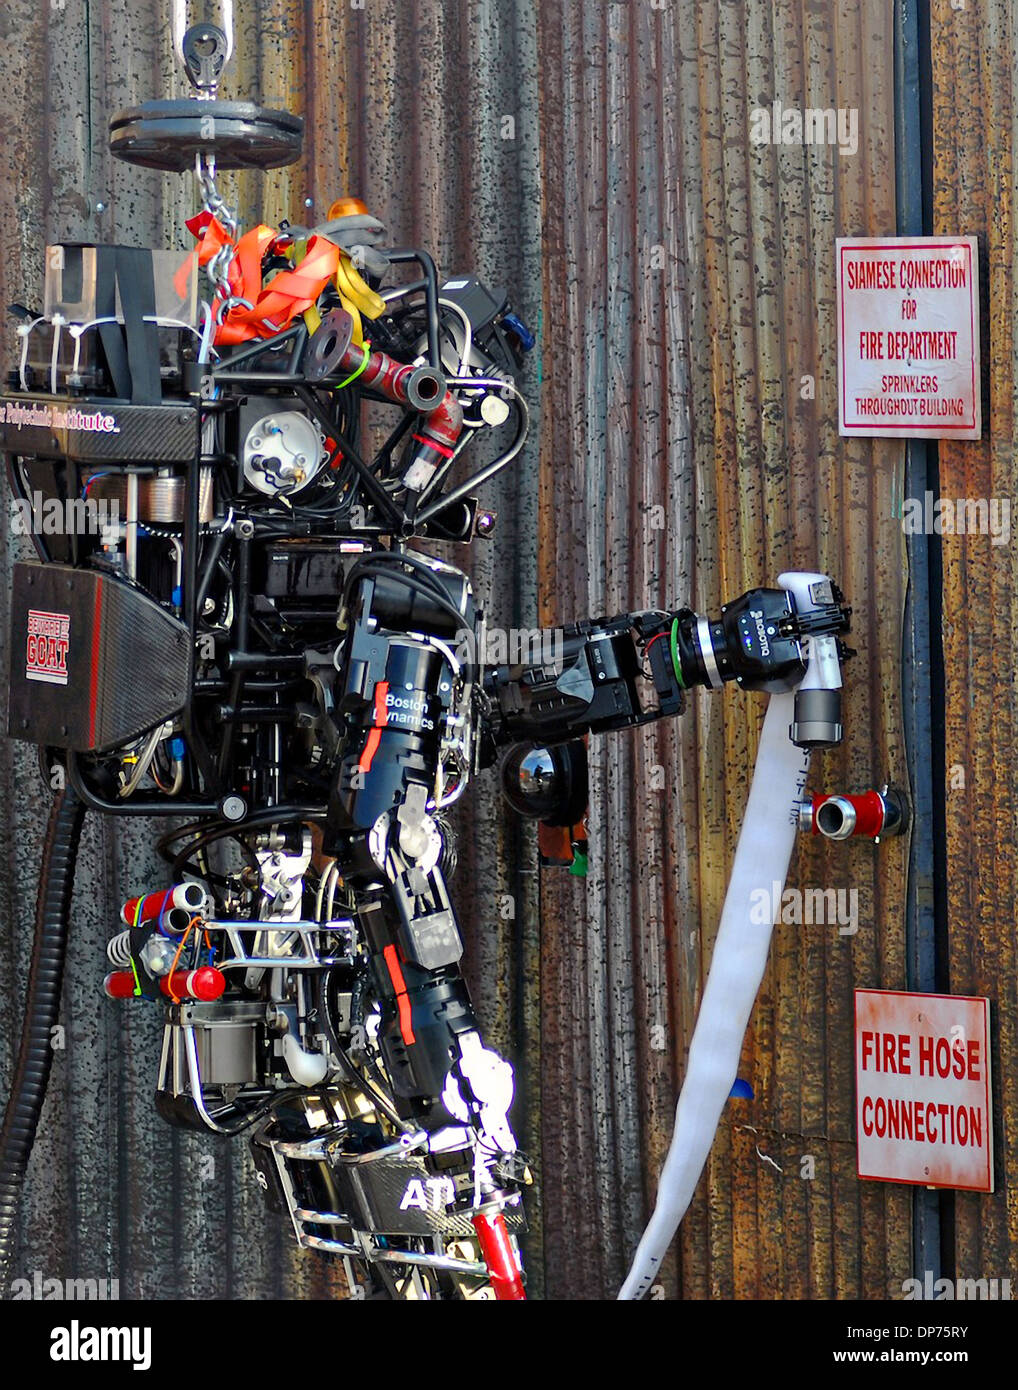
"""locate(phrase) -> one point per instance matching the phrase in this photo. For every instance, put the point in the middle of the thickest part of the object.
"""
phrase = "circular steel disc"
(169, 134)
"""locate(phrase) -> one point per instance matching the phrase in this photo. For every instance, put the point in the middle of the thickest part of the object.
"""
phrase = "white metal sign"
(922, 1071)
(908, 337)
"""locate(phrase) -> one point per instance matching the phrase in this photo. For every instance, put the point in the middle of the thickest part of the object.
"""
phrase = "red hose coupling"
(436, 443)
(205, 984)
(866, 815)
(499, 1256)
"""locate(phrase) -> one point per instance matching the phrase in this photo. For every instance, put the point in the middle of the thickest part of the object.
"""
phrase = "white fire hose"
(740, 950)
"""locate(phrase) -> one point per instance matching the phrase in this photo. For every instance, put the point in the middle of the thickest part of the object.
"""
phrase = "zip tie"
(357, 371)
(58, 322)
(23, 331)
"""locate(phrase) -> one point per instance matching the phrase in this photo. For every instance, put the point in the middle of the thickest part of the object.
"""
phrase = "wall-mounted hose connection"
(866, 815)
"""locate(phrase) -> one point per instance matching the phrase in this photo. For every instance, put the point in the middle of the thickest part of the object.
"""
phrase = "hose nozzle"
(817, 711)
(817, 722)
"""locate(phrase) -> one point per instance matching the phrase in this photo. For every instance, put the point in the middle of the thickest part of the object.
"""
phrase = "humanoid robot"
(246, 632)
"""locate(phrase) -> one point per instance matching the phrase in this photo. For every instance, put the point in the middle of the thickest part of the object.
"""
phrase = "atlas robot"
(245, 631)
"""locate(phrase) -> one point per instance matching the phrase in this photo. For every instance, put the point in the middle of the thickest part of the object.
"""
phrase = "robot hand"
(616, 672)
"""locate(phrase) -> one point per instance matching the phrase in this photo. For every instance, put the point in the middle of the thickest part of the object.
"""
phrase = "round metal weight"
(169, 134)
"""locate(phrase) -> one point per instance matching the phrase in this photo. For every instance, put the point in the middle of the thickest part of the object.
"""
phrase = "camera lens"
(547, 784)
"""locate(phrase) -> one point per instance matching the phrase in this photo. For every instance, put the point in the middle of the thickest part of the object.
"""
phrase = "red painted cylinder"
(119, 984)
(190, 897)
(499, 1256)
(841, 817)
(205, 984)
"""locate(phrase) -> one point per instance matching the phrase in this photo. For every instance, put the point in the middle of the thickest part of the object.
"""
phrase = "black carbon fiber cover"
(94, 661)
(398, 1196)
(99, 430)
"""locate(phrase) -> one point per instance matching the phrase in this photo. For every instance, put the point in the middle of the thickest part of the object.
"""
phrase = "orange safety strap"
(276, 304)
(211, 236)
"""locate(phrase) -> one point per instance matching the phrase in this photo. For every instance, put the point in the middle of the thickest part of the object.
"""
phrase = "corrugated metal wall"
(596, 157)
(975, 59)
(690, 275)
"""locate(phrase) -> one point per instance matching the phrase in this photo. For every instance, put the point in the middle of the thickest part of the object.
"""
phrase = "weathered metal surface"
(974, 55)
(693, 365)
(596, 158)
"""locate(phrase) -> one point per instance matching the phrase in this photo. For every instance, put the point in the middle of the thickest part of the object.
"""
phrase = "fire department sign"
(908, 337)
(922, 1071)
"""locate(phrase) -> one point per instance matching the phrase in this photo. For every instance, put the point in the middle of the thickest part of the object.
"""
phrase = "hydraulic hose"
(42, 1008)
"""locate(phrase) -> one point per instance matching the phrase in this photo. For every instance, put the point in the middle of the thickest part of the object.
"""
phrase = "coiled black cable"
(42, 1010)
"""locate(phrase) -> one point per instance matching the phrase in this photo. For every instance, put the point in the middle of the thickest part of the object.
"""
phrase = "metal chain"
(217, 207)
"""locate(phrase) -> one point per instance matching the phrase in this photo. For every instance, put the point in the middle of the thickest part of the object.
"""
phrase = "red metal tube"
(443, 421)
(189, 897)
(119, 984)
(499, 1256)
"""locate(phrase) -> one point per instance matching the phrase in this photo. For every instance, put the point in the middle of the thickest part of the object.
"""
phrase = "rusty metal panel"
(974, 55)
(596, 158)
(693, 278)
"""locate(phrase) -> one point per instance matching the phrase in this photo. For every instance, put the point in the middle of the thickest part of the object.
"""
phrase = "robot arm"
(611, 673)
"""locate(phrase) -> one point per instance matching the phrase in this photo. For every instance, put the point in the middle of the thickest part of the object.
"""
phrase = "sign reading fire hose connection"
(922, 1074)
(908, 337)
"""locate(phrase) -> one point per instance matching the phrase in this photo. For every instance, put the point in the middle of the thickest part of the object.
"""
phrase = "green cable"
(676, 664)
(366, 348)
(134, 968)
